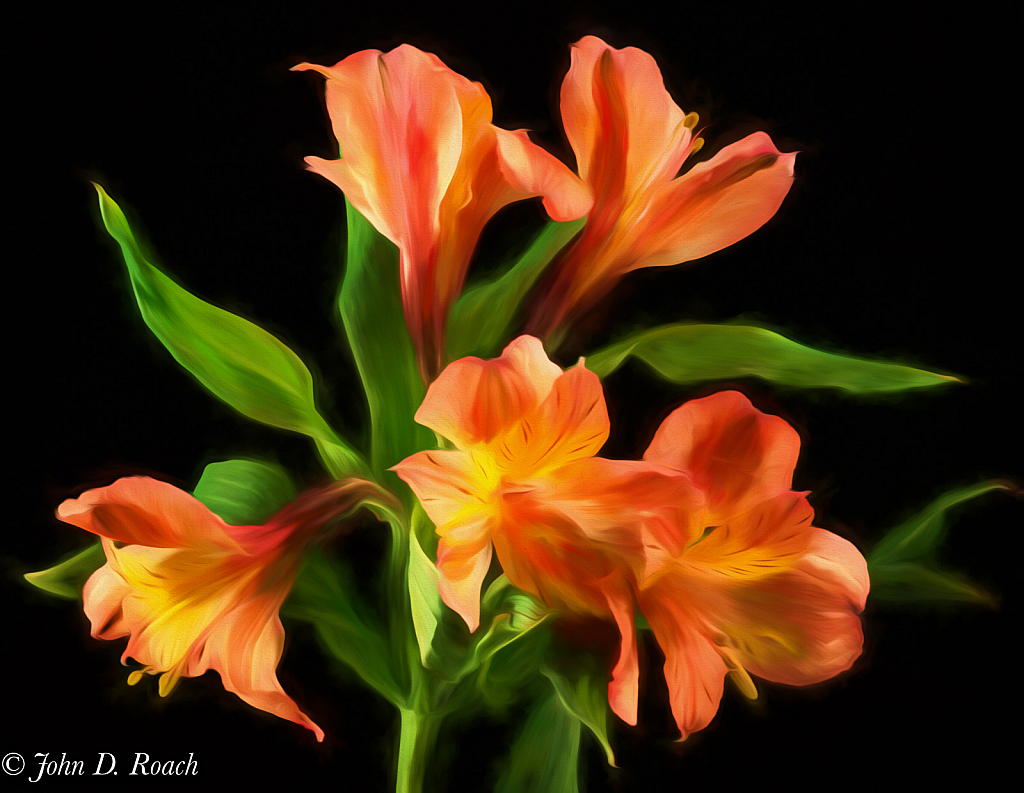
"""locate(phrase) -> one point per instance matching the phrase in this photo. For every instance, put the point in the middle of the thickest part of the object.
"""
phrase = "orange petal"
(738, 455)
(545, 552)
(473, 400)
(450, 485)
(694, 669)
(246, 650)
(398, 120)
(570, 424)
(144, 511)
(764, 541)
(802, 627)
(463, 558)
(624, 688)
(717, 203)
(625, 129)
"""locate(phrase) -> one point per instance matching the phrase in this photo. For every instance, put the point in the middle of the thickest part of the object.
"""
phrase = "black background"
(893, 242)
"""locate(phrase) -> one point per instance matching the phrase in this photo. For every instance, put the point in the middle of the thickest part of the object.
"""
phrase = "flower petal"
(451, 485)
(624, 688)
(570, 424)
(144, 511)
(626, 130)
(246, 650)
(764, 541)
(738, 455)
(398, 119)
(473, 400)
(694, 669)
(463, 558)
(717, 203)
(802, 627)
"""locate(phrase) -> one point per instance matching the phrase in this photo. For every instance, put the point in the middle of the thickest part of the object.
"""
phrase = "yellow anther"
(135, 676)
(690, 120)
(697, 145)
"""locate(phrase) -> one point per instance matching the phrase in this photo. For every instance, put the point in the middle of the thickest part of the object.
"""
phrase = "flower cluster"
(703, 537)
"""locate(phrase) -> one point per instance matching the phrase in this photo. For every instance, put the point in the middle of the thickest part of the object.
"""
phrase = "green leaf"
(485, 313)
(325, 595)
(425, 601)
(237, 361)
(585, 696)
(910, 582)
(545, 754)
(902, 564)
(67, 579)
(516, 616)
(922, 535)
(370, 303)
(690, 353)
(244, 492)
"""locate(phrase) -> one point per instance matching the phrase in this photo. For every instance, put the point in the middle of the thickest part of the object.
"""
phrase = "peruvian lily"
(422, 162)
(523, 481)
(752, 587)
(192, 592)
(631, 140)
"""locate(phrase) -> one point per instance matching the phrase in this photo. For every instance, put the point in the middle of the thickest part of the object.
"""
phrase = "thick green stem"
(416, 743)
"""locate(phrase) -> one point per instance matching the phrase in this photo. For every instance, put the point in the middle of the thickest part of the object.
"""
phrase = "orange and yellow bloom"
(752, 587)
(631, 140)
(422, 162)
(191, 592)
(704, 535)
(523, 480)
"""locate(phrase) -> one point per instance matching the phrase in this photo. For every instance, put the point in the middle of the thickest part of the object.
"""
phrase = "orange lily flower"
(523, 481)
(753, 587)
(422, 162)
(190, 591)
(630, 140)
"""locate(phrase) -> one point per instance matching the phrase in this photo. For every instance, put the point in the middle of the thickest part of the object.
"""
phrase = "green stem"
(416, 743)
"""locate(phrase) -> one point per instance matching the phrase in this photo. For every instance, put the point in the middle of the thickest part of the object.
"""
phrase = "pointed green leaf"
(239, 362)
(585, 696)
(325, 595)
(910, 582)
(370, 303)
(67, 578)
(483, 316)
(515, 615)
(545, 754)
(922, 535)
(426, 603)
(691, 353)
(244, 492)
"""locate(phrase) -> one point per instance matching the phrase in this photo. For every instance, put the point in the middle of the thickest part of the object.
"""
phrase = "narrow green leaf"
(239, 362)
(585, 696)
(244, 492)
(484, 314)
(370, 303)
(515, 615)
(691, 353)
(910, 582)
(67, 578)
(922, 535)
(325, 596)
(545, 754)
(426, 603)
